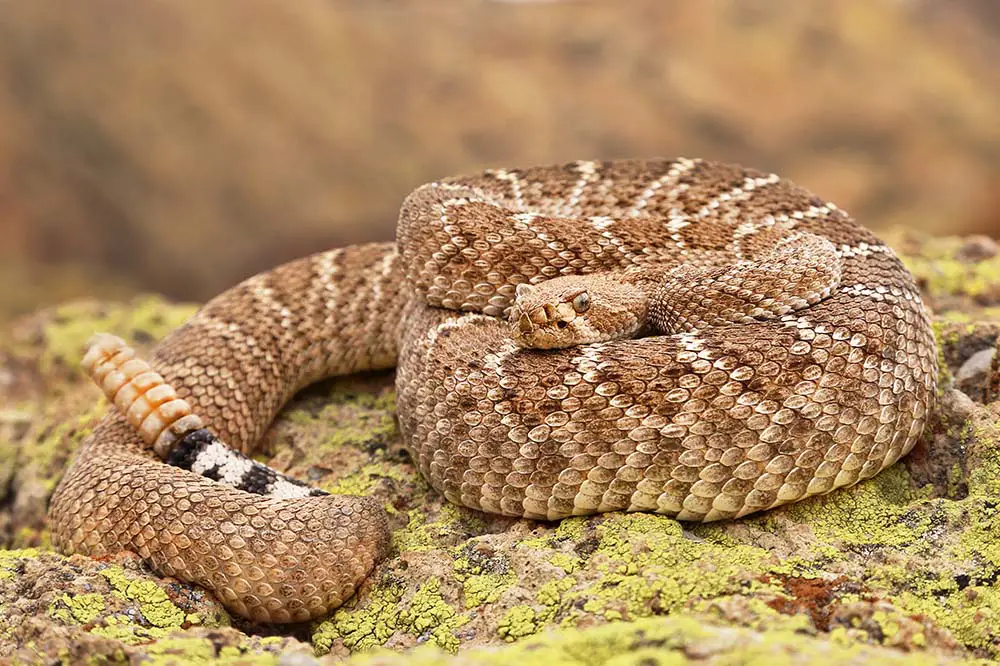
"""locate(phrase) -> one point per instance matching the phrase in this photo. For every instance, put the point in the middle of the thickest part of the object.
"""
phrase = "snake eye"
(581, 302)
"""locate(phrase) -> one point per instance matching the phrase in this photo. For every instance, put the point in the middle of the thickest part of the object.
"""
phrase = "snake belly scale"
(771, 375)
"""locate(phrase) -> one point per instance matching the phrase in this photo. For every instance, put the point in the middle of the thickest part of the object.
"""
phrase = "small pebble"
(975, 365)
(955, 406)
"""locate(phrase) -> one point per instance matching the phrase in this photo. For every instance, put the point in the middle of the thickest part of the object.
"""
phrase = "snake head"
(574, 310)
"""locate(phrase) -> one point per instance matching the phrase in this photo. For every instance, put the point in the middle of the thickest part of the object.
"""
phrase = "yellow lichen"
(520, 621)
(155, 606)
(876, 512)
(415, 536)
(202, 651)
(145, 319)
(430, 616)
(425, 615)
(9, 560)
(360, 418)
(660, 641)
(479, 589)
(983, 476)
(972, 615)
(77, 608)
(362, 628)
(484, 579)
(422, 535)
(648, 562)
(364, 479)
(568, 563)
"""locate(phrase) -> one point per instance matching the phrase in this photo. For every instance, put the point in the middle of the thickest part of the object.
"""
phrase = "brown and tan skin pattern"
(796, 357)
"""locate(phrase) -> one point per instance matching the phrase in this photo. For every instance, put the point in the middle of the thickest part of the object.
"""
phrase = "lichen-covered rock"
(673, 640)
(903, 567)
(75, 610)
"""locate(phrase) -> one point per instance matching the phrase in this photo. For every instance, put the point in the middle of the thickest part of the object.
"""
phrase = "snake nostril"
(561, 324)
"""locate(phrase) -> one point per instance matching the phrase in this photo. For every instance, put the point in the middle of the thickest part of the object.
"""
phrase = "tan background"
(179, 147)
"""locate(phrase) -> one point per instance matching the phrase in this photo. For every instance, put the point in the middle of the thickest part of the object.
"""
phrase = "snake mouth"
(542, 327)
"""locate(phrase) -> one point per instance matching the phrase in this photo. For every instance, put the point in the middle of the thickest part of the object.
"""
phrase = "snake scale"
(768, 348)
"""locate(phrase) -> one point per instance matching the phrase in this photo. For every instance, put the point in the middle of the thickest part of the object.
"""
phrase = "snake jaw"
(544, 318)
(575, 310)
(547, 327)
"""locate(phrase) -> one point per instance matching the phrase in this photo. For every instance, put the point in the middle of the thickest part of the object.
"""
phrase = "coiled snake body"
(790, 355)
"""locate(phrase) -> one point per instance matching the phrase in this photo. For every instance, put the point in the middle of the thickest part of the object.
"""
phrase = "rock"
(297, 659)
(901, 568)
(976, 366)
(972, 375)
(978, 248)
(79, 609)
(955, 407)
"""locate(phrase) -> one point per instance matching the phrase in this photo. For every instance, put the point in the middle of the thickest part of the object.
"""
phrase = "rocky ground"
(900, 569)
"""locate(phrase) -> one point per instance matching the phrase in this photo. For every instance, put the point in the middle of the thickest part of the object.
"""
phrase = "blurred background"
(180, 147)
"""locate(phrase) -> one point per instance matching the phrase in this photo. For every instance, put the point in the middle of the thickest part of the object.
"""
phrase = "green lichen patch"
(366, 628)
(77, 608)
(431, 618)
(198, 651)
(947, 276)
(54, 436)
(417, 535)
(943, 337)
(647, 565)
(106, 610)
(154, 604)
(33, 456)
(361, 420)
(10, 559)
(369, 427)
(566, 562)
(972, 615)
(484, 580)
(485, 588)
(989, 315)
(983, 476)
(423, 532)
(942, 271)
(190, 650)
(132, 610)
(388, 610)
(883, 511)
(39, 435)
(345, 441)
(64, 330)
(367, 476)
(678, 639)
(518, 622)
(628, 566)
(978, 543)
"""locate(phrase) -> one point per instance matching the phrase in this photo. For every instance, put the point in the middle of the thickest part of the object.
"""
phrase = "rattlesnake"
(792, 355)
